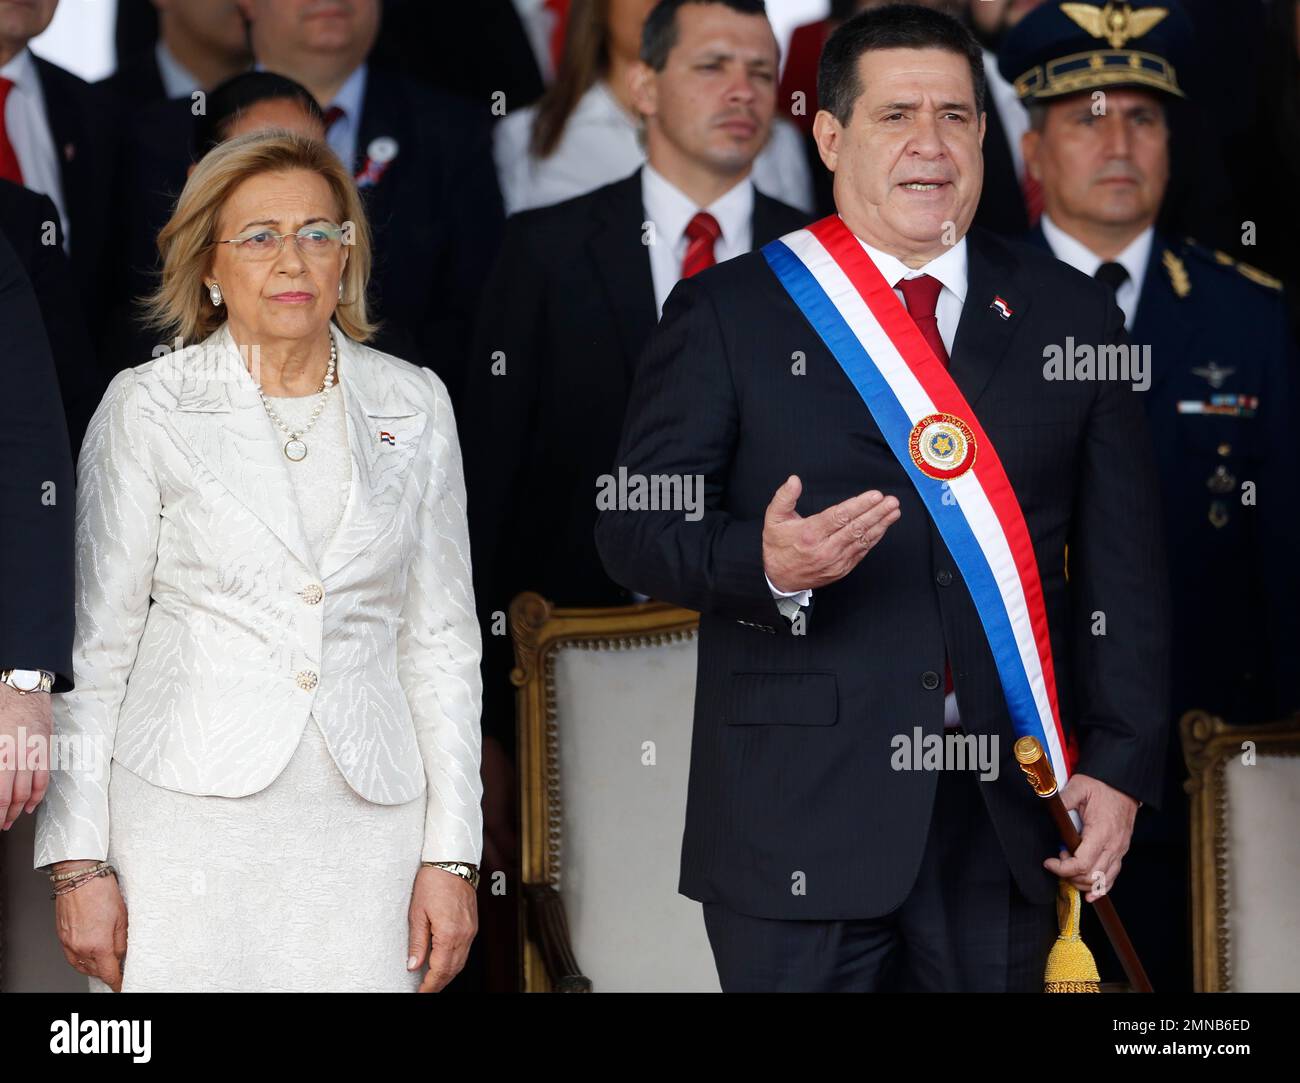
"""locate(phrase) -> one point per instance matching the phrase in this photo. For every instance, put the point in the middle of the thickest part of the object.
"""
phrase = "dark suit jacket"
(570, 305)
(791, 755)
(38, 499)
(436, 215)
(83, 130)
(26, 220)
(137, 81)
(1002, 202)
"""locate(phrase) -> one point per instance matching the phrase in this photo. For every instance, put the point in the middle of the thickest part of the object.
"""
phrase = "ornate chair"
(605, 706)
(1245, 798)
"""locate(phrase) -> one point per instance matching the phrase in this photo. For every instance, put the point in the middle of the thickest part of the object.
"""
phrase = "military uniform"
(1222, 407)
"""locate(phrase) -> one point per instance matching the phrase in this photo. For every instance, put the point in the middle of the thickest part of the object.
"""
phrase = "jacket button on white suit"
(312, 593)
(307, 680)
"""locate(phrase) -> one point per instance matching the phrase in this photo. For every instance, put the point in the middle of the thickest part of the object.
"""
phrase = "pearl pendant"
(295, 450)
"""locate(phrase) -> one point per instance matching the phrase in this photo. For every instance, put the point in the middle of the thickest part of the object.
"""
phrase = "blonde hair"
(181, 305)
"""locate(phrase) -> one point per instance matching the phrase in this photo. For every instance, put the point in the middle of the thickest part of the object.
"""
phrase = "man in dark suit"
(1221, 404)
(64, 148)
(823, 862)
(423, 162)
(37, 504)
(575, 295)
(31, 225)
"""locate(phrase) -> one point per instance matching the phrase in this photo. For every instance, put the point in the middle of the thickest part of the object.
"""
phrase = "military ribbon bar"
(937, 438)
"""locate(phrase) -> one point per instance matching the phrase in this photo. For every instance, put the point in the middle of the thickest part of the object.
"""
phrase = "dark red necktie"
(702, 232)
(921, 295)
(333, 115)
(1033, 192)
(10, 169)
(559, 10)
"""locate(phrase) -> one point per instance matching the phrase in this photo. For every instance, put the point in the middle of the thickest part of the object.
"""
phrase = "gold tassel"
(1070, 965)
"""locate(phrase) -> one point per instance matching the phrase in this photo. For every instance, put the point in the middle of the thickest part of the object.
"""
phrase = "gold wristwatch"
(457, 868)
(23, 681)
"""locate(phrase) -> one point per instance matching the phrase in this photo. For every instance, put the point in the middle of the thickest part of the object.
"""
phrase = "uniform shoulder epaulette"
(1254, 274)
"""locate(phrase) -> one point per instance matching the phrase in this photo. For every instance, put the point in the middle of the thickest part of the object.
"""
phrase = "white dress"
(303, 886)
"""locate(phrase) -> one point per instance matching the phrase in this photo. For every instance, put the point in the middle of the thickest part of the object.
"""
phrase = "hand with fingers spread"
(806, 553)
(90, 922)
(1108, 817)
(443, 921)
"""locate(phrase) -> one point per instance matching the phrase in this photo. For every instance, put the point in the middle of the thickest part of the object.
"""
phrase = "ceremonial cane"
(1038, 770)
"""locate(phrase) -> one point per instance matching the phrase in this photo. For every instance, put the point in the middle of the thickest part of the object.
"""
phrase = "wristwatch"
(457, 868)
(27, 680)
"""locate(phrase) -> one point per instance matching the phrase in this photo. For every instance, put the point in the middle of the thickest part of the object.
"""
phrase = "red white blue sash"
(937, 438)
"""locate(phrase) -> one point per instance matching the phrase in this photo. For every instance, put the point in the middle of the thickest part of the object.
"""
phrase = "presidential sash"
(937, 438)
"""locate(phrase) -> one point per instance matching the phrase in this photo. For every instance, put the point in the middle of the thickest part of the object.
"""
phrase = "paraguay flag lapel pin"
(1003, 309)
(386, 437)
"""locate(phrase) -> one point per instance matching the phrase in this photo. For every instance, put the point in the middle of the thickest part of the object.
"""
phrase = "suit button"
(943, 577)
(929, 680)
(312, 593)
(1225, 450)
(306, 680)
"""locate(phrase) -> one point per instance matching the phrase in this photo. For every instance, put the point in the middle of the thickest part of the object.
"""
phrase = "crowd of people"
(277, 583)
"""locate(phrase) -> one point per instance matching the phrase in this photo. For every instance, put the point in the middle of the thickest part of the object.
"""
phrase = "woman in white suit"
(276, 659)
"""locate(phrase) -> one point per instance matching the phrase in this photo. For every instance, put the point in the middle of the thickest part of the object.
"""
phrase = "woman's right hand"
(91, 925)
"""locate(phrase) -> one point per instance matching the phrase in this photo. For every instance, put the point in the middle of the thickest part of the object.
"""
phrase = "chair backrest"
(1245, 790)
(605, 706)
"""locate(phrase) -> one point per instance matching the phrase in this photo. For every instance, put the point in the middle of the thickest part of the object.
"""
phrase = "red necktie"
(1033, 192)
(702, 231)
(10, 169)
(333, 115)
(559, 10)
(921, 295)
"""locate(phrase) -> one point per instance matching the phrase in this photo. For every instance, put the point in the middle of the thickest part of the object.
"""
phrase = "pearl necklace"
(294, 448)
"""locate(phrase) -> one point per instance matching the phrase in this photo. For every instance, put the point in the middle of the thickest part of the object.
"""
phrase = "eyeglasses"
(315, 240)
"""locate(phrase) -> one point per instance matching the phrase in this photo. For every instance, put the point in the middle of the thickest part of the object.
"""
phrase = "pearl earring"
(214, 292)
(340, 289)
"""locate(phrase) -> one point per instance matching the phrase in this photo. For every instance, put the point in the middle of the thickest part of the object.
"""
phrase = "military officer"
(1099, 81)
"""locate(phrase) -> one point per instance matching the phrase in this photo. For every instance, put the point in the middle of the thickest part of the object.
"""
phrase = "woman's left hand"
(443, 920)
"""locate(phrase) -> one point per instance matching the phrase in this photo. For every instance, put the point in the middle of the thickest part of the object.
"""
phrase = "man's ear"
(644, 89)
(827, 134)
(1031, 143)
(984, 127)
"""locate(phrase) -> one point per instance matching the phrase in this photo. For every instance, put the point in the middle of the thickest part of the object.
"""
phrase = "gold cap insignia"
(1116, 22)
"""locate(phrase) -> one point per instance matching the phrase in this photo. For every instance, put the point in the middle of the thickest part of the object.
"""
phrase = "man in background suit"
(31, 225)
(37, 503)
(574, 297)
(829, 613)
(57, 138)
(1222, 402)
(423, 162)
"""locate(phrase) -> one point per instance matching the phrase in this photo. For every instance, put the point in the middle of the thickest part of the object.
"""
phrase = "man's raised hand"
(806, 553)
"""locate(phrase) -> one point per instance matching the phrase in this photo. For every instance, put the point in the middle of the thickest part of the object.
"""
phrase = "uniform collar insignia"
(1178, 276)
(1116, 22)
(1213, 374)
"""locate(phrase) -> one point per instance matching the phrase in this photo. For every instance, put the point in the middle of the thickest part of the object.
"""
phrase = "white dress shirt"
(671, 210)
(1011, 111)
(1082, 258)
(951, 270)
(177, 80)
(29, 133)
(601, 145)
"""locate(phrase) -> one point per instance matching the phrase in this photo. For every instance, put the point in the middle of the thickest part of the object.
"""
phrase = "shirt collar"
(351, 95)
(949, 268)
(1082, 258)
(177, 80)
(21, 71)
(671, 210)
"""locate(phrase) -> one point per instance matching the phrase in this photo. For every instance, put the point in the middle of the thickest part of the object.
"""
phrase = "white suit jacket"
(205, 631)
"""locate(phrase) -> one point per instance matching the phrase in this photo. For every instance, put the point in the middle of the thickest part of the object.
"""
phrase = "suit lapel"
(983, 334)
(623, 266)
(1163, 319)
(65, 132)
(220, 415)
(384, 433)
